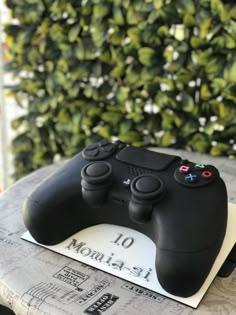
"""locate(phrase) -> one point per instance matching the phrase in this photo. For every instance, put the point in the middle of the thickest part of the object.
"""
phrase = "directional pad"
(91, 147)
(109, 147)
(92, 153)
(100, 150)
(195, 175)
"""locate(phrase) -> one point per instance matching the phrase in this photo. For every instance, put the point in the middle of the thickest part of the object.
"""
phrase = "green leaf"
(87, 8)
(118, 16)
(73, 33)
(220, 149)
(71, 10)
(197, 42)
(218, 7)
(17, 123)
(111, 117)
(158, 3)
(205, 27)
(167, 120)
(230, 72)
(99, 35)
(168, 139)
(134, 35)
(125, 126)
(163, 31)
(209, 128)
(214, 66)
(117, 38)
(146, 55)
(130, 137)
(118, 71)
(188, 128)
(133, 17)
(104, 131)
(80, 51)
(230, 41)
(123, 94)
(201, 57)
(218, 84)
(189, 20)
(101, 10)
(205, 92)
(185, 6)
(188, 103)
(184, 76)
(200, 143)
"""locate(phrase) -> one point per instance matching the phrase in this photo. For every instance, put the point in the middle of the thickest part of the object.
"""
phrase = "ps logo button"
(191, 178)
(206, 174)
(199, 166)
(184, 169)
(126, 183)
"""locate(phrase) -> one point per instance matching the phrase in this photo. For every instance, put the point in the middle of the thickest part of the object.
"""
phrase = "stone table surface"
(27, 272)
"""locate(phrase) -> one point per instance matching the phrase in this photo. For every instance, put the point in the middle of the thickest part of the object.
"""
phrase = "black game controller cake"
(180, 205)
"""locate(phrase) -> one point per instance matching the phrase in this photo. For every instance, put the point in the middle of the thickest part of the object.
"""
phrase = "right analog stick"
(147, 187)
(146, 190)
(147, 184)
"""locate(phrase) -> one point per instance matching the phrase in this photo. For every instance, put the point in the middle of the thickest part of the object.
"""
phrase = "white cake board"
(130, 255)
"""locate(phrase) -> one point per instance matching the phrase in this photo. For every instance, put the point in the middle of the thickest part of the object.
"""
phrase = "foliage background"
(150, 72)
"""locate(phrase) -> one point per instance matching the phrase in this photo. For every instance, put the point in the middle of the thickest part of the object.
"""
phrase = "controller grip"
(55, 209)
(52, 225)
(183, 274)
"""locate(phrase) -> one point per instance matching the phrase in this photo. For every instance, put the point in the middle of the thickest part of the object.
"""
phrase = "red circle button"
(206, 174)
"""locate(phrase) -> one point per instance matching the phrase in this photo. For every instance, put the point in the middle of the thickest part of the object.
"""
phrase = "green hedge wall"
(151, 72)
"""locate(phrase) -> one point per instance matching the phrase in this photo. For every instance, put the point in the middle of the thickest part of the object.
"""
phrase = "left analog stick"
(96, 172)
(96, 179)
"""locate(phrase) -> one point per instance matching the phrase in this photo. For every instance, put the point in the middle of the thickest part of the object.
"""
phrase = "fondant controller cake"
(180, 205)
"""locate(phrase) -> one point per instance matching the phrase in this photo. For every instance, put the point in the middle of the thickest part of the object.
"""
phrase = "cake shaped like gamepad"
(180, 205)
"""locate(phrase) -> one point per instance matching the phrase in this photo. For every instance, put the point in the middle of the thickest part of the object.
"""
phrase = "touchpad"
(146, 159)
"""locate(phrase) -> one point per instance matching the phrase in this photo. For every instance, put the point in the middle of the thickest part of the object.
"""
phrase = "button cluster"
(101, 150)
(195, 175)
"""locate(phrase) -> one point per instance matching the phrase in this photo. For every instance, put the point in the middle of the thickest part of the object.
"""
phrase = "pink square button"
(184, 169)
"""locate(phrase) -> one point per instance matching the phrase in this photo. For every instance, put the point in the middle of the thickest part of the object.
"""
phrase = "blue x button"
(191, 178)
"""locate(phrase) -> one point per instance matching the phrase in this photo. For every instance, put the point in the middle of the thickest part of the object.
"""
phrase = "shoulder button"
(103, 143)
